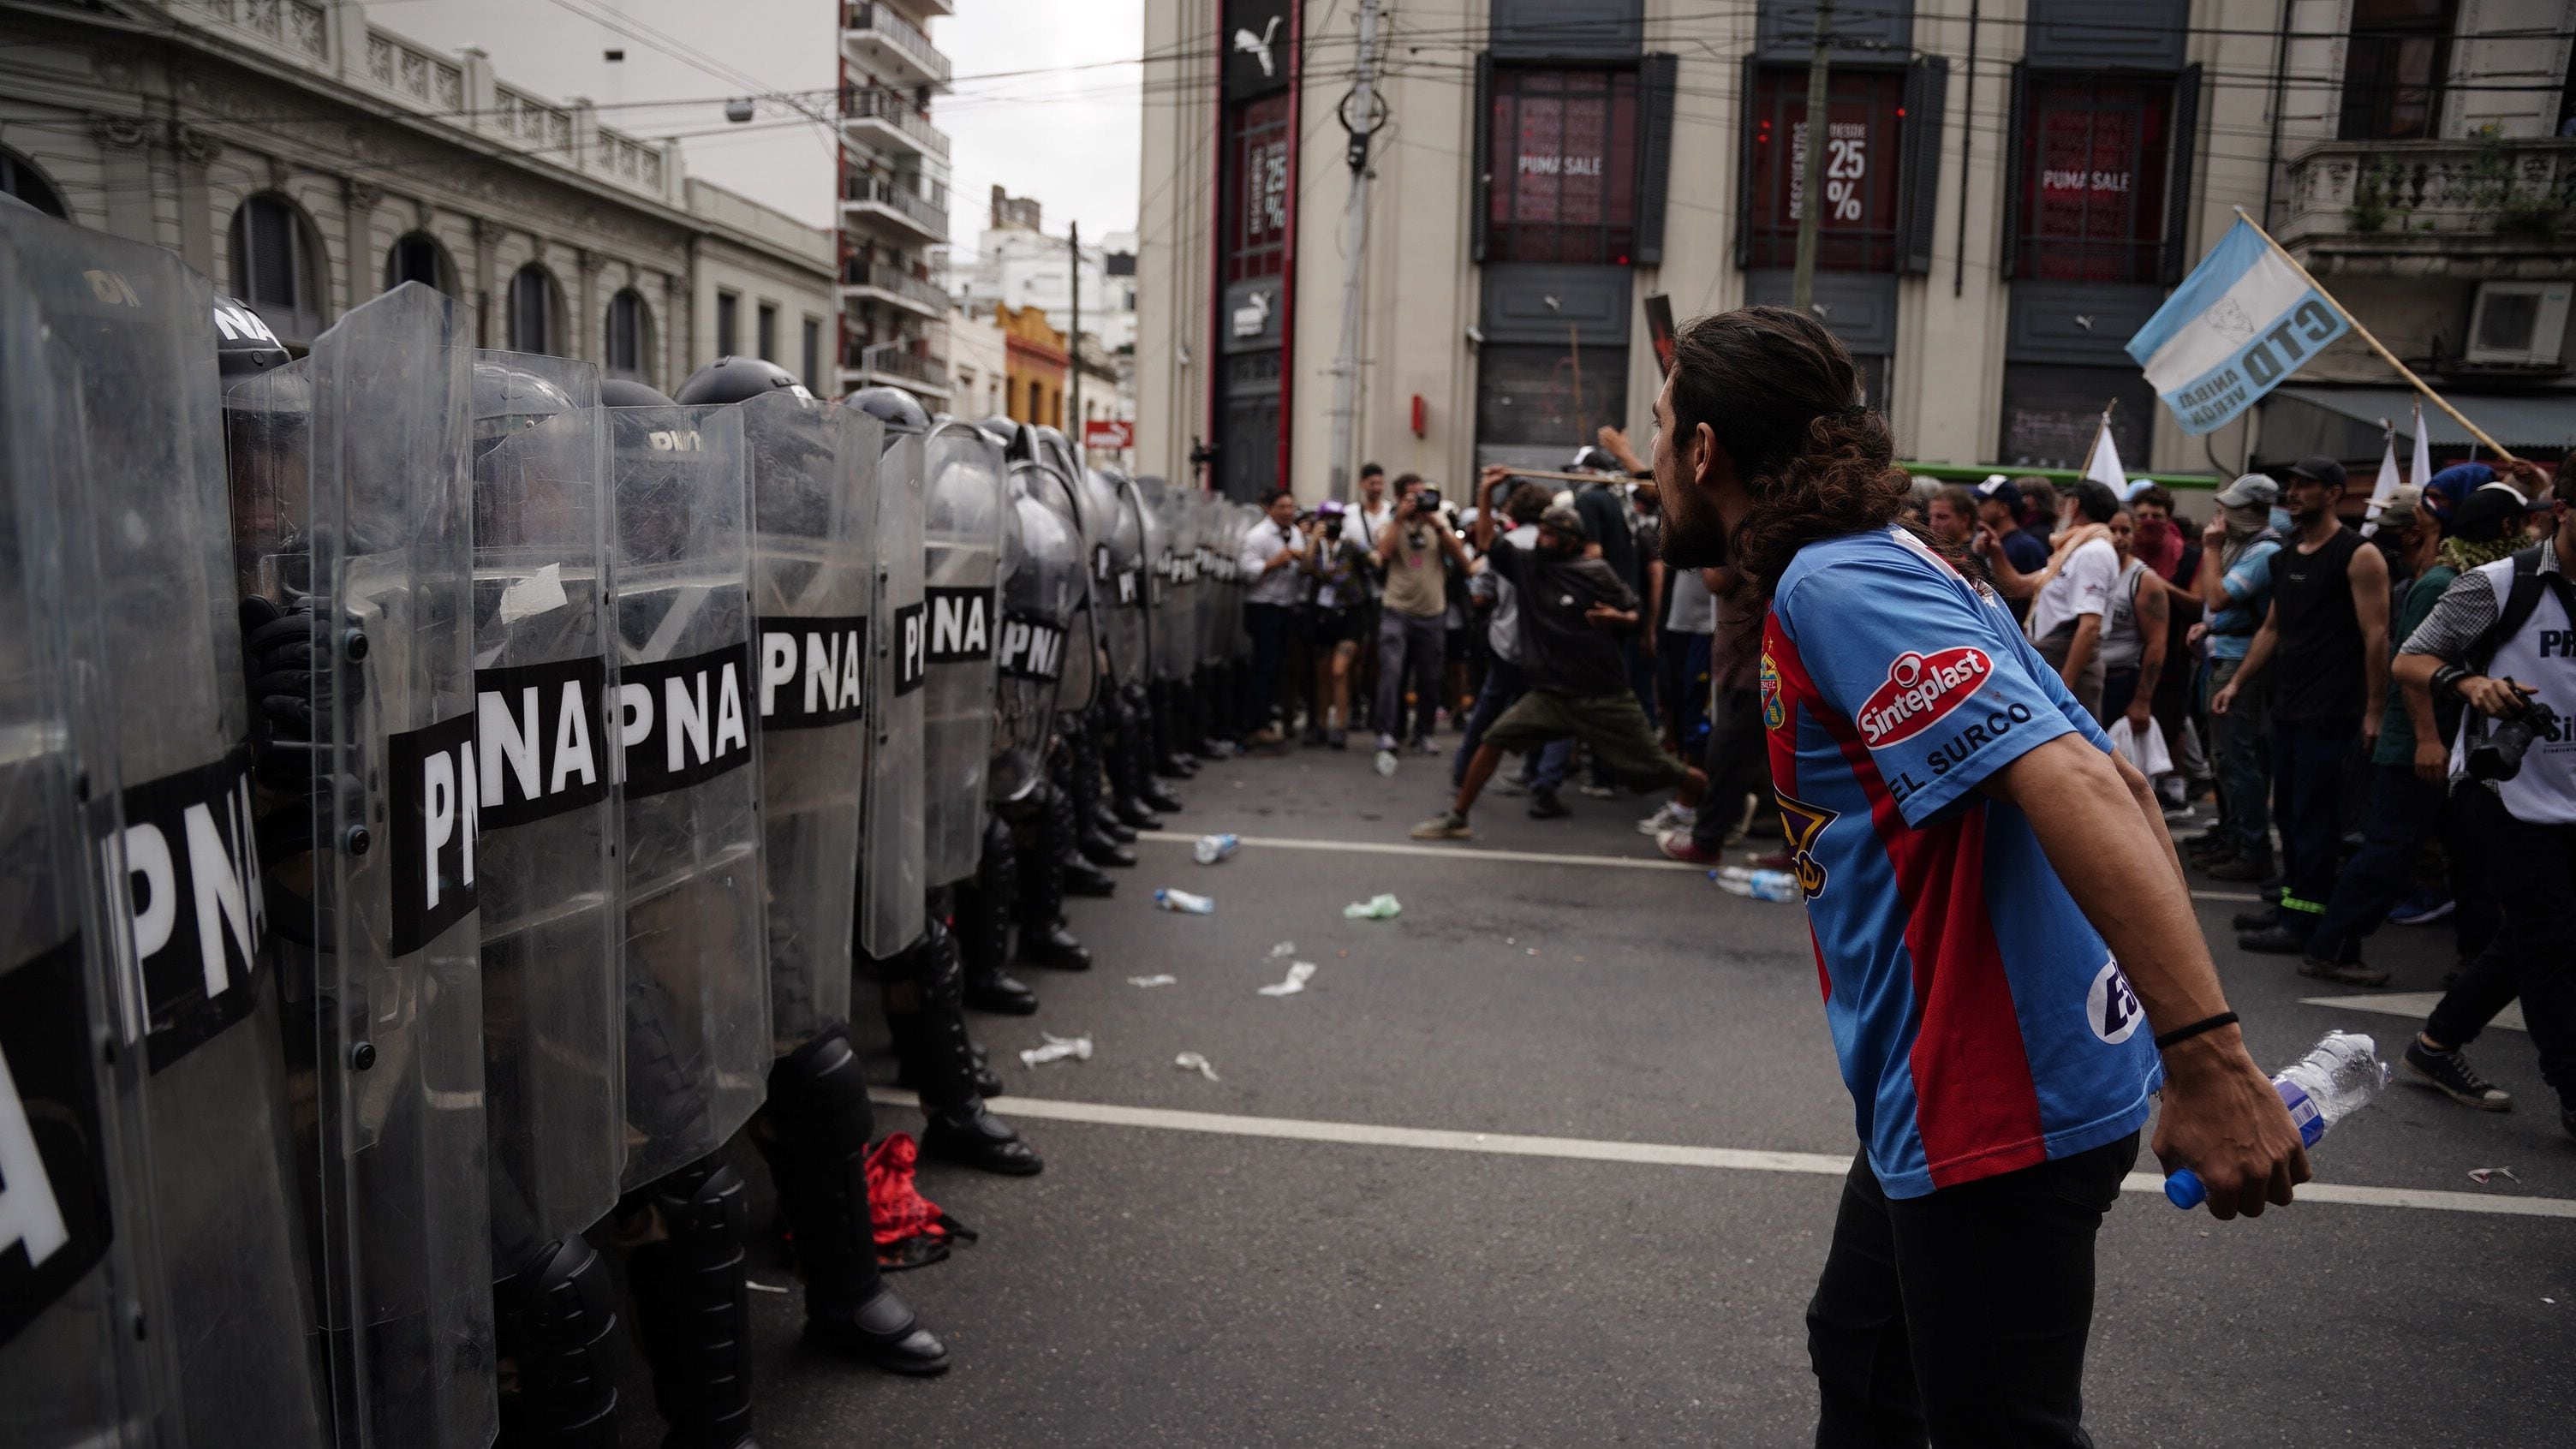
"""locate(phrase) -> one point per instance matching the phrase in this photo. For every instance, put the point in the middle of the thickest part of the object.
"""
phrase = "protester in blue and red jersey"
(2007, 982)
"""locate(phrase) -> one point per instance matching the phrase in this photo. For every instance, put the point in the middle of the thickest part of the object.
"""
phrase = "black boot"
(1104, 818)
(691, 1303)
(814, 1132)
(924, 1010)
(1040, 907)
(985, 902)
(554, 1315)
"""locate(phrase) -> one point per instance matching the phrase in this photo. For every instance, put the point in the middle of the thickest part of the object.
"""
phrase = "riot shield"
(813, 580)
(354, 526)
(961, 530)
(697, 1000)
(1062, 492)
(891, 883)
(1234, 643)
(1216, 572)
(554, 1035)
(1118, 592)
(79, 1277)
(1176, 643)
(1041, 592)
(197, 996)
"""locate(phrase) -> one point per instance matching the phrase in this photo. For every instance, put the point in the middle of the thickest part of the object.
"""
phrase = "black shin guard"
(925, 1011)
(553, 1315)
(985, 902)
(692, 1305)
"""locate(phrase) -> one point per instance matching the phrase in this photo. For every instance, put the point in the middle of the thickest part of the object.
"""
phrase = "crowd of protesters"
(2253, 661)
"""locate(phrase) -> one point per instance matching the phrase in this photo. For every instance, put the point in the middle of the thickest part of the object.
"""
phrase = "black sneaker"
(2350, 973)
(2450, 1074)
(1544, 805)
(2256, 920)
(2273, 940)
(2247, 868)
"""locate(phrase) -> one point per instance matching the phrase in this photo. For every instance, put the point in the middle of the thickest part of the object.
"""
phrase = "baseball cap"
(2401, 501)
(1329, 508)
(2001, 489)
(2320, 469)
(2253, 490)
(2486, 514)
(1564, 520)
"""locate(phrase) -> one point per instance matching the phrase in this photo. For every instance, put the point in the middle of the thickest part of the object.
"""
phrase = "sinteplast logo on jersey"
(813, 672)
(537, 738)
(434, 814)
(199, 918)
(681, 721)
(961, 624)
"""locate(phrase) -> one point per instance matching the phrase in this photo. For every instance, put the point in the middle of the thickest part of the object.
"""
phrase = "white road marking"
(2415, 1004)
(1530, 857)
(1585, 1149)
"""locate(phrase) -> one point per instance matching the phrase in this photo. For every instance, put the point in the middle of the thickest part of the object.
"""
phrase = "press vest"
(2542, 653)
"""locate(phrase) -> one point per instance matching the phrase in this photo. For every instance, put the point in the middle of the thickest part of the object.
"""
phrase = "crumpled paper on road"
(1299, 973)
(1375, 908)
(1057, 1048)
(1193, 1062)
(1161, 978)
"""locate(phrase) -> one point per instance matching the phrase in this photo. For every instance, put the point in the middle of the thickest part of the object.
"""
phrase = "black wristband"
(2446, 681)
(2185, 1033)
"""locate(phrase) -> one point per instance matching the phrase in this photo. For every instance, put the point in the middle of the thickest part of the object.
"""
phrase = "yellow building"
(1036, 365)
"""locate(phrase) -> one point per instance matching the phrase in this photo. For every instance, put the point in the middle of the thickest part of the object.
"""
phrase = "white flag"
(2102, 465)
(2423, 474)
(2385, 488)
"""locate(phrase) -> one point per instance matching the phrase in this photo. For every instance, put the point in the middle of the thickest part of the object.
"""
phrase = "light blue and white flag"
(2244, 319)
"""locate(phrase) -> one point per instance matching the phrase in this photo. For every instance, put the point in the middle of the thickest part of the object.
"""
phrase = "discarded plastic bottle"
(2330, 1083)
(1212, 848)
(1760, 885)
(1172, 900)
(1386, 763)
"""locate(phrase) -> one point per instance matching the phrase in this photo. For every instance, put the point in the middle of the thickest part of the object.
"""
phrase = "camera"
(2499, 755)
(1333, 527)
(1427, 500)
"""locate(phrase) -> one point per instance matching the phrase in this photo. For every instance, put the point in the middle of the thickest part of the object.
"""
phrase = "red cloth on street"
(910, 1229)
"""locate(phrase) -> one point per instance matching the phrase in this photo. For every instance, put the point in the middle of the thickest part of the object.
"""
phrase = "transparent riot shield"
(1147, 497)
(1041, 594)
(1176, 613)
(961, 531)
(198, 997)
(1216, 572)
(554, 1033)
(363, 546)
(813, 581)
(1062, 493)
(697, 999)
(1117, 577)
(1236, 643)
(891, 883)
(79, 1275)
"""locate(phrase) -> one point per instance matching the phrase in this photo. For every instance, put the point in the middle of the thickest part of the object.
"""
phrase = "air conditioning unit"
(2518, 323)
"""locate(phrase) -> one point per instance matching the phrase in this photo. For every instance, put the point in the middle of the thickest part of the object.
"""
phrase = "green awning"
(2540, 422)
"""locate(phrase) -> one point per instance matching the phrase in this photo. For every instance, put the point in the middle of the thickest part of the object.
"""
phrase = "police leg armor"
(1169, 729)
(984, 903)
(925, 1011)
(554, 1313)
(1108, 747)
(1041, 842)
(692, 1305)
(814, 1132)
(1062, 832)
(1082, 775)
(1139, 796)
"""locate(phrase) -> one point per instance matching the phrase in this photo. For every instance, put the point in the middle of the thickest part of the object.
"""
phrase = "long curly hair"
(1781, 396)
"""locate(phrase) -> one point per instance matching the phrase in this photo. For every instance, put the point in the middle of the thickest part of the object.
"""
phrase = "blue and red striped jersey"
(1981, 1023)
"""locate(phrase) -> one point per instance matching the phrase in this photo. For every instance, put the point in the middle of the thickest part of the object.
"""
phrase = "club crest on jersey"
(2111, 1007)
(1804, 825)
(1773, 716)
(1919, 690)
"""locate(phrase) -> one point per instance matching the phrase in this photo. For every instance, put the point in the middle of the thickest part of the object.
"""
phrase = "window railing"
(900, 33)
(932, 214)
(884, 278)
(864, 103)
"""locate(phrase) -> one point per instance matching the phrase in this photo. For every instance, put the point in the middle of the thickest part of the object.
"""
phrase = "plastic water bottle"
(1760, 885)
(2330, 1083)
(1172, 900)
(1386, 763)
(1212, 848)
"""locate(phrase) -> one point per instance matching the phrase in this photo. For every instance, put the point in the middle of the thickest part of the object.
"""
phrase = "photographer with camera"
(1416, 546)
(1337, 568)
(2502, 643)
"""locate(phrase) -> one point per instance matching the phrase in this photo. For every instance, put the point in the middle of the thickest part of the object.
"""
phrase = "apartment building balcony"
(897, 204)
(891, 47)
(893, 286)
(2476, 209)
(907, 365)
(890, 123)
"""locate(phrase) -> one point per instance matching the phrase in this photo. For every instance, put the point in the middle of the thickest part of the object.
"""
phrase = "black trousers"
(2533, 869)
(1959, 1319)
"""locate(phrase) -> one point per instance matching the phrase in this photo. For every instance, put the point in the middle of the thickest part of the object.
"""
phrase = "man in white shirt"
(1271, 554)
(2073, 591)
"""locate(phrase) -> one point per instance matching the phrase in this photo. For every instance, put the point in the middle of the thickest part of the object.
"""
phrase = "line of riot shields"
(462, 813)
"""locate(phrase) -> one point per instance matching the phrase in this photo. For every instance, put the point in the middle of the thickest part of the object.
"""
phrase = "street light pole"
(1811, 166)
(1073, 345)
(1346, 364)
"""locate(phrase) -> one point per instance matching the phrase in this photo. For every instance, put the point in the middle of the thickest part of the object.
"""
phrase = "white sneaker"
(1665, 818)
(1385, 743)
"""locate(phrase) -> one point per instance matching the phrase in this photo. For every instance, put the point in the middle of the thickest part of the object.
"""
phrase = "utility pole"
(1073, 349)
(1811, 166)
(1346, 364)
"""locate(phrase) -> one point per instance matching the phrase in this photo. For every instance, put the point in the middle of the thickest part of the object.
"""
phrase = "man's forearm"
(2374, 673)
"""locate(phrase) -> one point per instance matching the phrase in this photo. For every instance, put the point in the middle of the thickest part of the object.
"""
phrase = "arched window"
(26, 183)
(534, 306)
(277, 267)
(630, 336)
(417, 257)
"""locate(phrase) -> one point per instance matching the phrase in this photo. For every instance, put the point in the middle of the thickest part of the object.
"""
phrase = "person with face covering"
(2011, 963)
(1573, 610)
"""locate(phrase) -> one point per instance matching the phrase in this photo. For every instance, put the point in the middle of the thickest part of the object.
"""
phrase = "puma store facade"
(2004, 201)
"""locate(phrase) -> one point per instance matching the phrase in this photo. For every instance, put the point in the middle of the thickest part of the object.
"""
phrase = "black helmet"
(626, 392)
(732, 379)
(900, 411)
(510, 399)
(244, 347)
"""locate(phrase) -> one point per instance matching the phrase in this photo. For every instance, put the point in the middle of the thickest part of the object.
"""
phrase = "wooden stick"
(2374, 344)
(1576, 477)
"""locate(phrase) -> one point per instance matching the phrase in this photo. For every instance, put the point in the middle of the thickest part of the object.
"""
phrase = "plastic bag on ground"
(1375, 908)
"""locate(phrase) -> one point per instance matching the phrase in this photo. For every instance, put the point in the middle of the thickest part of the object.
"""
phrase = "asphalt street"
(1316, 1248)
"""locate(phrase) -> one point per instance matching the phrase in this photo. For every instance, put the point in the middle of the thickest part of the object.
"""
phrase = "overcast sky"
(1061, 125)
